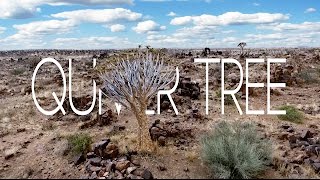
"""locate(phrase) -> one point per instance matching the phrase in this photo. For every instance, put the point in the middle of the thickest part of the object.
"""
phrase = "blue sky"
(100, 24)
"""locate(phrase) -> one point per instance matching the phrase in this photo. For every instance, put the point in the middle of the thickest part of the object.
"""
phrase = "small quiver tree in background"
(241, 46)
(132, 83)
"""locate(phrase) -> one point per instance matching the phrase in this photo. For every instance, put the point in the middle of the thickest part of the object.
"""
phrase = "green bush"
(228, 100)
(18, 71)
(310, 76)
(293, 114)
(79, 143)
(235, 151)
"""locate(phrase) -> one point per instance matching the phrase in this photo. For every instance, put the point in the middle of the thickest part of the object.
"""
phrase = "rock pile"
(105, 162)
(3, 90)
(160, 131)
(189, 67)
(312, 109)
(304, 146)
(81, 103)
(285, 73)
(188, 88)
(26, 90)
(165, 104)
(101, 120)
(84, 103)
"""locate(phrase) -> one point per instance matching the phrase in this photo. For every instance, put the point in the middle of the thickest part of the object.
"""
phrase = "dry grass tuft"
(125, 141)
(192, 155)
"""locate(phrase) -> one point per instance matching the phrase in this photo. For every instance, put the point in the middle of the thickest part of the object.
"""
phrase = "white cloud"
(196, 36)
(17, 9)
(181, 20)
(31, 35)
(100, 15)
(45, 27)
(196, 32)
(148, 27)
(259, 37)
(207, 1)
(164, 40)
(155, 0)
(304, 34)
(117, 28)
(93, 43)
(305, 26)
(2, 29)
(230, 18)
(34, 34)
(172, 14)
(30, 43)
(228, 31)
(283, 39)
(310, 10)
(287, 35)
(256, 4)
(89, 2)
(229, 40)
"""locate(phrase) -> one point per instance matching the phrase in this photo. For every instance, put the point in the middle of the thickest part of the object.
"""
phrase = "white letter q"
(60, 103)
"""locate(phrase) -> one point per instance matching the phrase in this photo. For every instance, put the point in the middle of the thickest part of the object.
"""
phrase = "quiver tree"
(206, 52)
(241, 46)
(132, 83)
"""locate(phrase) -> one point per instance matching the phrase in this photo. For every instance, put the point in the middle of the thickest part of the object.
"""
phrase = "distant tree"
(207, 50)
(241, 46)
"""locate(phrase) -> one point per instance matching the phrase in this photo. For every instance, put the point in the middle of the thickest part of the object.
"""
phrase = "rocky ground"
(34, 145)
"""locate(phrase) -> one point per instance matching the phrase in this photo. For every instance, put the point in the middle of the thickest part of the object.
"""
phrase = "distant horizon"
(247, 48)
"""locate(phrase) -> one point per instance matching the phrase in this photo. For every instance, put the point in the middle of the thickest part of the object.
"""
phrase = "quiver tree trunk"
(145, 142)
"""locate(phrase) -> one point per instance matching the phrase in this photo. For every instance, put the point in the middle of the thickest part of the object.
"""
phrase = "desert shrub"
(228, 100)
(293, 114)
(235, 151)
(79, 143)
(48, 126)
(88, 63)
(33, 62)
(18, 71)
(310, 76)
(229, 66)
(191, 155)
